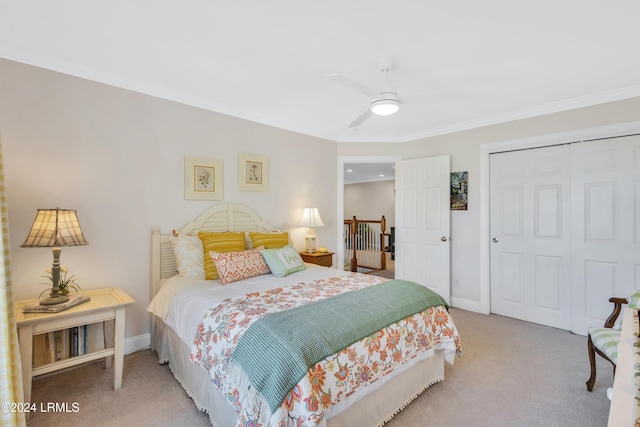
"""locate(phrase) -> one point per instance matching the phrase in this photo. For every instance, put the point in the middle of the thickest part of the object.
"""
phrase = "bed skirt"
(374, 409)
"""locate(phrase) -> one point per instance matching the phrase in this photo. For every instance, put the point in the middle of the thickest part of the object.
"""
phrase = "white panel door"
(423, 223)
(605, 226)
(530, 247)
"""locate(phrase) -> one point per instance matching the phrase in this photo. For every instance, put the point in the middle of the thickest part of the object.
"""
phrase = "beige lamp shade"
(310, 218)
(55, 228)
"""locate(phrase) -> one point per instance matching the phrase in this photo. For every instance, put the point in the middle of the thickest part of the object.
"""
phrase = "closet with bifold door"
(565, 230)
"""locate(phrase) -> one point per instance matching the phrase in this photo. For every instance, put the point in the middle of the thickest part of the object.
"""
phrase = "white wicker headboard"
(222, 217)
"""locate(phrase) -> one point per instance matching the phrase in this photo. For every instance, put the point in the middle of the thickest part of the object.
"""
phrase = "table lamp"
(54, 228)
(310, 219)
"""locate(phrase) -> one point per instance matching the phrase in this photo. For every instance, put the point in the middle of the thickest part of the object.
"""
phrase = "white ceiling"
(355, 173)
(466, 63)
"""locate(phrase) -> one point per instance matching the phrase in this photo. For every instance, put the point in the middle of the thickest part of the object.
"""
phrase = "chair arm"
(617, 307)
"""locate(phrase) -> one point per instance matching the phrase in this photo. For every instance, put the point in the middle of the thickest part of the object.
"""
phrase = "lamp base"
(59, 299)
(310, 243)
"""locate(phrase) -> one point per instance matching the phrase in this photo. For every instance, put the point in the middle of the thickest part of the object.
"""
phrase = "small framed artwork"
(253, 172)
(202, 178)
(459, 190)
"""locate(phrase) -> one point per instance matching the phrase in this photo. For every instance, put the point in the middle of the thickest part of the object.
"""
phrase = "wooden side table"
(106, 305)
(320, 258)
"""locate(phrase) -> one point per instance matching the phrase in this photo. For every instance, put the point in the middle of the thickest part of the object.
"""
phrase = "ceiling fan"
(383, 102)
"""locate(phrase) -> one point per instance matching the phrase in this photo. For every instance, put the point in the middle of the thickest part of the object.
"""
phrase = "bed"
(199, 328)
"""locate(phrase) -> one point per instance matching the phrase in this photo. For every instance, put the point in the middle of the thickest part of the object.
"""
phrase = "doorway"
(421, 210)
(381, 164)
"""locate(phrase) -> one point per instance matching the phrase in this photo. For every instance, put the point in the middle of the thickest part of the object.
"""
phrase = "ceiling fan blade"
(360, 119)
(351, 84)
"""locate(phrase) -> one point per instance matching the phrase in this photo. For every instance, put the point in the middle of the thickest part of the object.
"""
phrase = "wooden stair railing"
(358, 235)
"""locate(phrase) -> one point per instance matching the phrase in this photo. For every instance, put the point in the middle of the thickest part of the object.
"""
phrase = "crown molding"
(555, 107)
(13, 53)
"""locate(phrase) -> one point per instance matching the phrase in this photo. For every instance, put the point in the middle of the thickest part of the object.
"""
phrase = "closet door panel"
(530, 262)
(605, 220)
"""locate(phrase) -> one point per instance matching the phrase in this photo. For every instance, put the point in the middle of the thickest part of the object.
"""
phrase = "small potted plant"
(66, 281)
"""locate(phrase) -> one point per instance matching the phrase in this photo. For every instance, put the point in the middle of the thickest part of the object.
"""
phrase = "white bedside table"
(105, 305)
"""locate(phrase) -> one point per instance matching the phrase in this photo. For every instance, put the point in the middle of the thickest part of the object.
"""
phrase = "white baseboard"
(465, 304)
(133, 344)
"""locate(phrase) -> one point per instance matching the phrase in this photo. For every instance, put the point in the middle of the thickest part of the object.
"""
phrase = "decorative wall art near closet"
(459, 191)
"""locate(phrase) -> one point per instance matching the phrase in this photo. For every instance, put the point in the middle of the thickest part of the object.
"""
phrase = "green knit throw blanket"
(276, 351)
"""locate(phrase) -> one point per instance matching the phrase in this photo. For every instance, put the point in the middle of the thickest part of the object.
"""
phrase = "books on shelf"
(59, 345)
(79, 338)
(73, 301)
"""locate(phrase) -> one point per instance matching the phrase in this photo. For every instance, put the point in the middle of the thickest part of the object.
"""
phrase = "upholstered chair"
(604, 340)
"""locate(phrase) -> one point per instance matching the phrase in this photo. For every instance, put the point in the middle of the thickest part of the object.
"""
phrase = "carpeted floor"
(389, 272)
(513, 373)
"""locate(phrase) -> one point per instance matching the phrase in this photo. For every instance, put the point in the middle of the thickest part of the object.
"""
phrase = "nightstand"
(107, 306)
(320, 258)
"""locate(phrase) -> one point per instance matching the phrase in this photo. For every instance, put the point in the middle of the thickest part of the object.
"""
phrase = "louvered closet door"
(530, 247)
(605, 226)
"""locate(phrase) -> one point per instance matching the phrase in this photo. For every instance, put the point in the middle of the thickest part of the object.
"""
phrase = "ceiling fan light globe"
(385, 107)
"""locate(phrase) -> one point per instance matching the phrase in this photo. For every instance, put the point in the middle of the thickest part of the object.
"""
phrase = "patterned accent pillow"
(240, 265)
(188, 251)
(283, 261)
(269, 240)
(219, 242)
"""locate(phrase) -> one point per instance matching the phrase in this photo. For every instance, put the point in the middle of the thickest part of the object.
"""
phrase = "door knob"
(495, 240)
(443, 238)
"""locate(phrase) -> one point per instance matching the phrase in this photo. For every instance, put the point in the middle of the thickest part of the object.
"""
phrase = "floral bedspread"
(331, 380)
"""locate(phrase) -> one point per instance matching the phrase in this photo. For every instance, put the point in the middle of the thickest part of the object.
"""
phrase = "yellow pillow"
(219, 242)
(269, 240)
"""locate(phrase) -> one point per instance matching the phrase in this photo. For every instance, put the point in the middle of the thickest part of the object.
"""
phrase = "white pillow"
(189, 255)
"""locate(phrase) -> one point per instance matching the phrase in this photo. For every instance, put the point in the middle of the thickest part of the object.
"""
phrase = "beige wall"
(371, 200)
(464, 148)
(117, 157)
